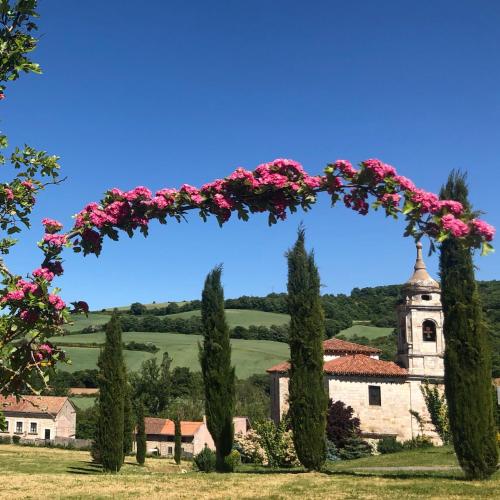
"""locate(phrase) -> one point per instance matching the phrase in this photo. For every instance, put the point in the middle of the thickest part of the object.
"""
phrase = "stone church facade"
(382, 393)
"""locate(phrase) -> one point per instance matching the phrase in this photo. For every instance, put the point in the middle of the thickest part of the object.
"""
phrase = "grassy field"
(371, 332)
(83, 402)
(249, 356)
(44, 472)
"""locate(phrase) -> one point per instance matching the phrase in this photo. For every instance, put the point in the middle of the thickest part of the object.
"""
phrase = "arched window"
(429, 331)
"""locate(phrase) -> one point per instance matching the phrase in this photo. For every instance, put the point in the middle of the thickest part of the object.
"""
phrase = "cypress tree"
(178, 440)
(467, 355)
(111, 380)
(128, 418)
(218, 374)
(141, 434)
(307, 396)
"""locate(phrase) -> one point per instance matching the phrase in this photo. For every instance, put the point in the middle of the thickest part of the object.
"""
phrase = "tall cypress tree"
(467, 355)
(307, 396)
(128, 417)
(178, 440)
(141, 434)
(218, 374)
(111, 380)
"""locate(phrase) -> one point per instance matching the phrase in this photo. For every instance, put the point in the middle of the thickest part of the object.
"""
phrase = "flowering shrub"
(277, 443)
(248, 445)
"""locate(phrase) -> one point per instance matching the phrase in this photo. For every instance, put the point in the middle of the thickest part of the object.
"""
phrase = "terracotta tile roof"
(359, 364)
(166, 426)
(78, 391)
(356, 364)
(46, 405)
(342, 346)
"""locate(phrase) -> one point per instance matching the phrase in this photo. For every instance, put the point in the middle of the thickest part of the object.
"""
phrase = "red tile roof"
(46, 405)
(166, 426)
(356, 364)
(359, 364)
(338, 346)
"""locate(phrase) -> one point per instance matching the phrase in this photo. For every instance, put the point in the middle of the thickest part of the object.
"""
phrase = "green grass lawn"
(83, 402)
(371, 332)
(36, 472)
(249, 356)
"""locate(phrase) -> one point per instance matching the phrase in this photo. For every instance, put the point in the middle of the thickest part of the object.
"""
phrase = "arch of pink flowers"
(277, 187)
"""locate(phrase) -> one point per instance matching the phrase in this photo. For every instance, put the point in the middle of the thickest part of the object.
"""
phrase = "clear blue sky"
(160, 93)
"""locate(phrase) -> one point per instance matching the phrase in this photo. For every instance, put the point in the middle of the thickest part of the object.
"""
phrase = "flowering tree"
(34, 311)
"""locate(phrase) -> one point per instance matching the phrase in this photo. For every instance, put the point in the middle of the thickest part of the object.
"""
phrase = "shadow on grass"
(451, 476)
(270, 471)
(86, 468)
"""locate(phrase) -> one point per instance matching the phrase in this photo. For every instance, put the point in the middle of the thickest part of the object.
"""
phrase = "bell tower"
(420, 324)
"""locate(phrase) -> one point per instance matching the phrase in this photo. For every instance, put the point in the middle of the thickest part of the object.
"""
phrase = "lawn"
(44, 472)
(83, 402)
(249, 356)
(371, 332)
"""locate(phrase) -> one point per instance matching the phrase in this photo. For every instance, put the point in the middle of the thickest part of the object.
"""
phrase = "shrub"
(332, 452)
(420, 441)
(205, 460)
(389, 445)
(232, 460)
(16, 439)
(249, 448)
(5, 440)
(277, 443)
(355, 447)
(341, 424)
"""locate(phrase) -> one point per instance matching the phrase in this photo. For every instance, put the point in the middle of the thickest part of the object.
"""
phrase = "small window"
(170, 450)
(426, 297)
(19, 427)
(374, 395)
(33, 428)
(429, 331)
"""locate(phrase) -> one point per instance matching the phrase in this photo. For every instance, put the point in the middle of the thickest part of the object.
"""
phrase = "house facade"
(160, 435)
(384, 393)
(39, 417)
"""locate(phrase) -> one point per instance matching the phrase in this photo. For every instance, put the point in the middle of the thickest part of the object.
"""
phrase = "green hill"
(243, 317)
(249, 356)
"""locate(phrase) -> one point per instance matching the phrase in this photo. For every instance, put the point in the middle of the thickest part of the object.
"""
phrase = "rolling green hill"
(243, 317)
(249, 356)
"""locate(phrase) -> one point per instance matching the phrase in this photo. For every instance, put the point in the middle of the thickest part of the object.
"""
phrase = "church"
(382, 393)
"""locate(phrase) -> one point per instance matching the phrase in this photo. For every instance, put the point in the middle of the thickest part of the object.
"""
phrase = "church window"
(374, 398)
(429, 331)
(426, 297)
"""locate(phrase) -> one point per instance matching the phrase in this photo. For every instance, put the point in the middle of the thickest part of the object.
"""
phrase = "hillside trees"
(467, 354)
(218, 374)
(307, 397)
(110, 426)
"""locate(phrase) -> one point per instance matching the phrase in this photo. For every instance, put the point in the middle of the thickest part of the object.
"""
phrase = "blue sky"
(184, 92)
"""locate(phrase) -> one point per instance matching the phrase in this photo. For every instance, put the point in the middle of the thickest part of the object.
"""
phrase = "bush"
(205, 460)
(355, 447)
(277, 442)
(332, 452)
(232, 461)
(16, 439)
(389, 445)
(418, 442)
(249, 448)
(5, 440)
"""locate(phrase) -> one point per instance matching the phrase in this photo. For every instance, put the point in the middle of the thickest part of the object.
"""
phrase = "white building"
(382, 393)
(39, 417)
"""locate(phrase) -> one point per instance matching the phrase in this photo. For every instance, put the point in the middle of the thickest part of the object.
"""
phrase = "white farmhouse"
(39, 417)
(382, 393)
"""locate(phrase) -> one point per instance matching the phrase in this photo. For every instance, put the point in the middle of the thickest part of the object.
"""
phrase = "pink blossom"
(57, 302)
(116, 212)
(345, 167)
(138, 192)
(9, 194)
(429, 201)
(14, 295)
(312, 182)
(193, 193)
(45, 348)
(483, 228)
(28, 185)
(51, 225)
(29, 316)
(44, 273)
(223, 202)
(26, 286)
(55, 240)
(405, 183)
(117, 193)
(390, 200)
(455, 207)
(380, 170)
(457, 227)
